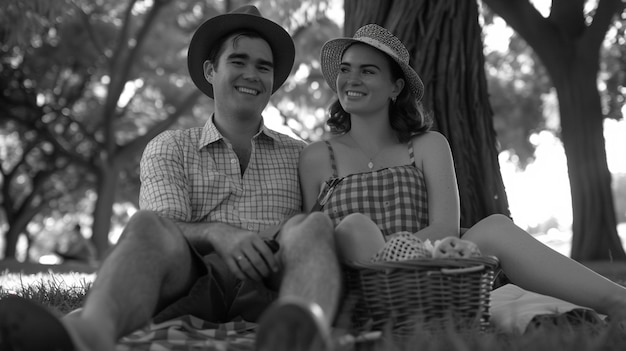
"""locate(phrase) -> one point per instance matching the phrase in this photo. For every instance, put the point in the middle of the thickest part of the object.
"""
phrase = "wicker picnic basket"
(419, 293)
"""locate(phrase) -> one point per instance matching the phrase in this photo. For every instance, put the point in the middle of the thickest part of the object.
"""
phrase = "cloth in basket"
(401, 247)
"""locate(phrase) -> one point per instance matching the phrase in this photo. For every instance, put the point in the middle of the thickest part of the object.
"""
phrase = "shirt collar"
(210, 134)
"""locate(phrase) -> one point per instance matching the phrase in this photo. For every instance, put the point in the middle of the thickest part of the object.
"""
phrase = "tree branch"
(605, 14)
(122, 39)
(138, 143)
(89, 28)
(568, 16)
(524, 18)
(122, 69)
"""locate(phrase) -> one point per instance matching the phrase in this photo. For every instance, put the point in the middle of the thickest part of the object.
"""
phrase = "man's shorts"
(218, 296)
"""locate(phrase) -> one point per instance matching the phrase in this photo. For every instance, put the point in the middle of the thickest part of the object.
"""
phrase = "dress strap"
(333, 162)
(411, 154)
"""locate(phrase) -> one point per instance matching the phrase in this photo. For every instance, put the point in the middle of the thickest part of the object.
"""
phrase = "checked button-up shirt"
(193, 175)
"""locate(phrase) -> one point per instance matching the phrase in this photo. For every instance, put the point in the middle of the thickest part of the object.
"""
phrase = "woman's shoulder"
(314, 155)
(315, 149)
(430, 138)
(430, 147)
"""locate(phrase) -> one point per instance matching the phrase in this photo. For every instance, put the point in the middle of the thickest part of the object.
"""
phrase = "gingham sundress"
(395, 198)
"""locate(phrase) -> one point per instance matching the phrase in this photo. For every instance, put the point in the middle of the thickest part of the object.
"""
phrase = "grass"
(64, 292)
(61, 292)
(547, 338)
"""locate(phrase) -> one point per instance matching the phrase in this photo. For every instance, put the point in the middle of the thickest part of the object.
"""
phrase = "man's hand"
(247, 255)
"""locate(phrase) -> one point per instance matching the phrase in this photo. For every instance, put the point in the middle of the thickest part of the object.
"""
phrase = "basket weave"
(420, 293)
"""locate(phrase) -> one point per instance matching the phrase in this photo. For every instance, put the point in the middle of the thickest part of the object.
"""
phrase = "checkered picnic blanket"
(191, 333)
(512, 310)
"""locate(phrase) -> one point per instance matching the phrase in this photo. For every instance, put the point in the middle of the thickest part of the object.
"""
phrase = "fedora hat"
(243, 18)
(379, 38)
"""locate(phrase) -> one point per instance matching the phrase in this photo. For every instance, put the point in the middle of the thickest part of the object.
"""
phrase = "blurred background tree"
(93, 82)
(569, 44)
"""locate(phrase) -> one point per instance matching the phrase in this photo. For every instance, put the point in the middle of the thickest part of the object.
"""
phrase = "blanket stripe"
(191, 333)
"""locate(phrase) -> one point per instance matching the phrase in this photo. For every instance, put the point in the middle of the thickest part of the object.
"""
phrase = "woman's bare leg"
(358, 238)
(536, 267)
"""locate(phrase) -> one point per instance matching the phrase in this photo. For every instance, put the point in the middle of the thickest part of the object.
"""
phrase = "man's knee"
(305, 229)
(153, 232)
(318, 220)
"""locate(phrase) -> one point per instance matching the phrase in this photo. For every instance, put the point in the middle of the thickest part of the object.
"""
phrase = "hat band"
(381, 46)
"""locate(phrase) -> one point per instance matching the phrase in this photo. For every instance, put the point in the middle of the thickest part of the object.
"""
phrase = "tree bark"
(444, 39)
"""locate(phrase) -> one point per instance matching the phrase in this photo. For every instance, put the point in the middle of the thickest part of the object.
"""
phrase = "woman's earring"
(393, 99)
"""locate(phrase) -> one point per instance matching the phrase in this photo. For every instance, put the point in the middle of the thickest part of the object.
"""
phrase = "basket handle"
(471, 269)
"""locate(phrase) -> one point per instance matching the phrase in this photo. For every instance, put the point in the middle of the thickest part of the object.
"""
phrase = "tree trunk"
(11, 238)
(18, 221)
(103, 211)
(444, 39)
(594, 221)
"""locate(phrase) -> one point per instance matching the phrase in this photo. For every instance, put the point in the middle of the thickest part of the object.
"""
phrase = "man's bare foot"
(293, 325)
(89, 335)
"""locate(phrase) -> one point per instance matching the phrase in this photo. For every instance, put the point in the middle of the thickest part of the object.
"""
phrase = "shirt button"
(250, 227)
(233, 160)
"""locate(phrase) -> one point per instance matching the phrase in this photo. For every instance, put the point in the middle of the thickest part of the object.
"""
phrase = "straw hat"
(379, 38)
(244, 18)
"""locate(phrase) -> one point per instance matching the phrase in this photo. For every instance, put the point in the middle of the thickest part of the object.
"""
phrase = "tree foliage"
(94, 84)
(517, 84)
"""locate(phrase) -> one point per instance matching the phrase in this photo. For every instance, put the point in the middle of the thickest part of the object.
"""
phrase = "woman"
(384, 165)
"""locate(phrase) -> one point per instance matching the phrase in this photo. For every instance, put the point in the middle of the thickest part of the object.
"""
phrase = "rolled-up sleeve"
(164, 184)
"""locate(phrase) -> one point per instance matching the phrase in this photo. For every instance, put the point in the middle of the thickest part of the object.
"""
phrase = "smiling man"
(220, 234)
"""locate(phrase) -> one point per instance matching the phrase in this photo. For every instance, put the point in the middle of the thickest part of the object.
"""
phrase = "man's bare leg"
(311, 267)
(310, 290)
(149, 268)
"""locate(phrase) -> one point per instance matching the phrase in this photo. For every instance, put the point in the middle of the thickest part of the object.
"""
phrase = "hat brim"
(283, 49)
(332, 52)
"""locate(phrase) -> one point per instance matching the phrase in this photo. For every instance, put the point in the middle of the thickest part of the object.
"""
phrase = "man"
(206, 195)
